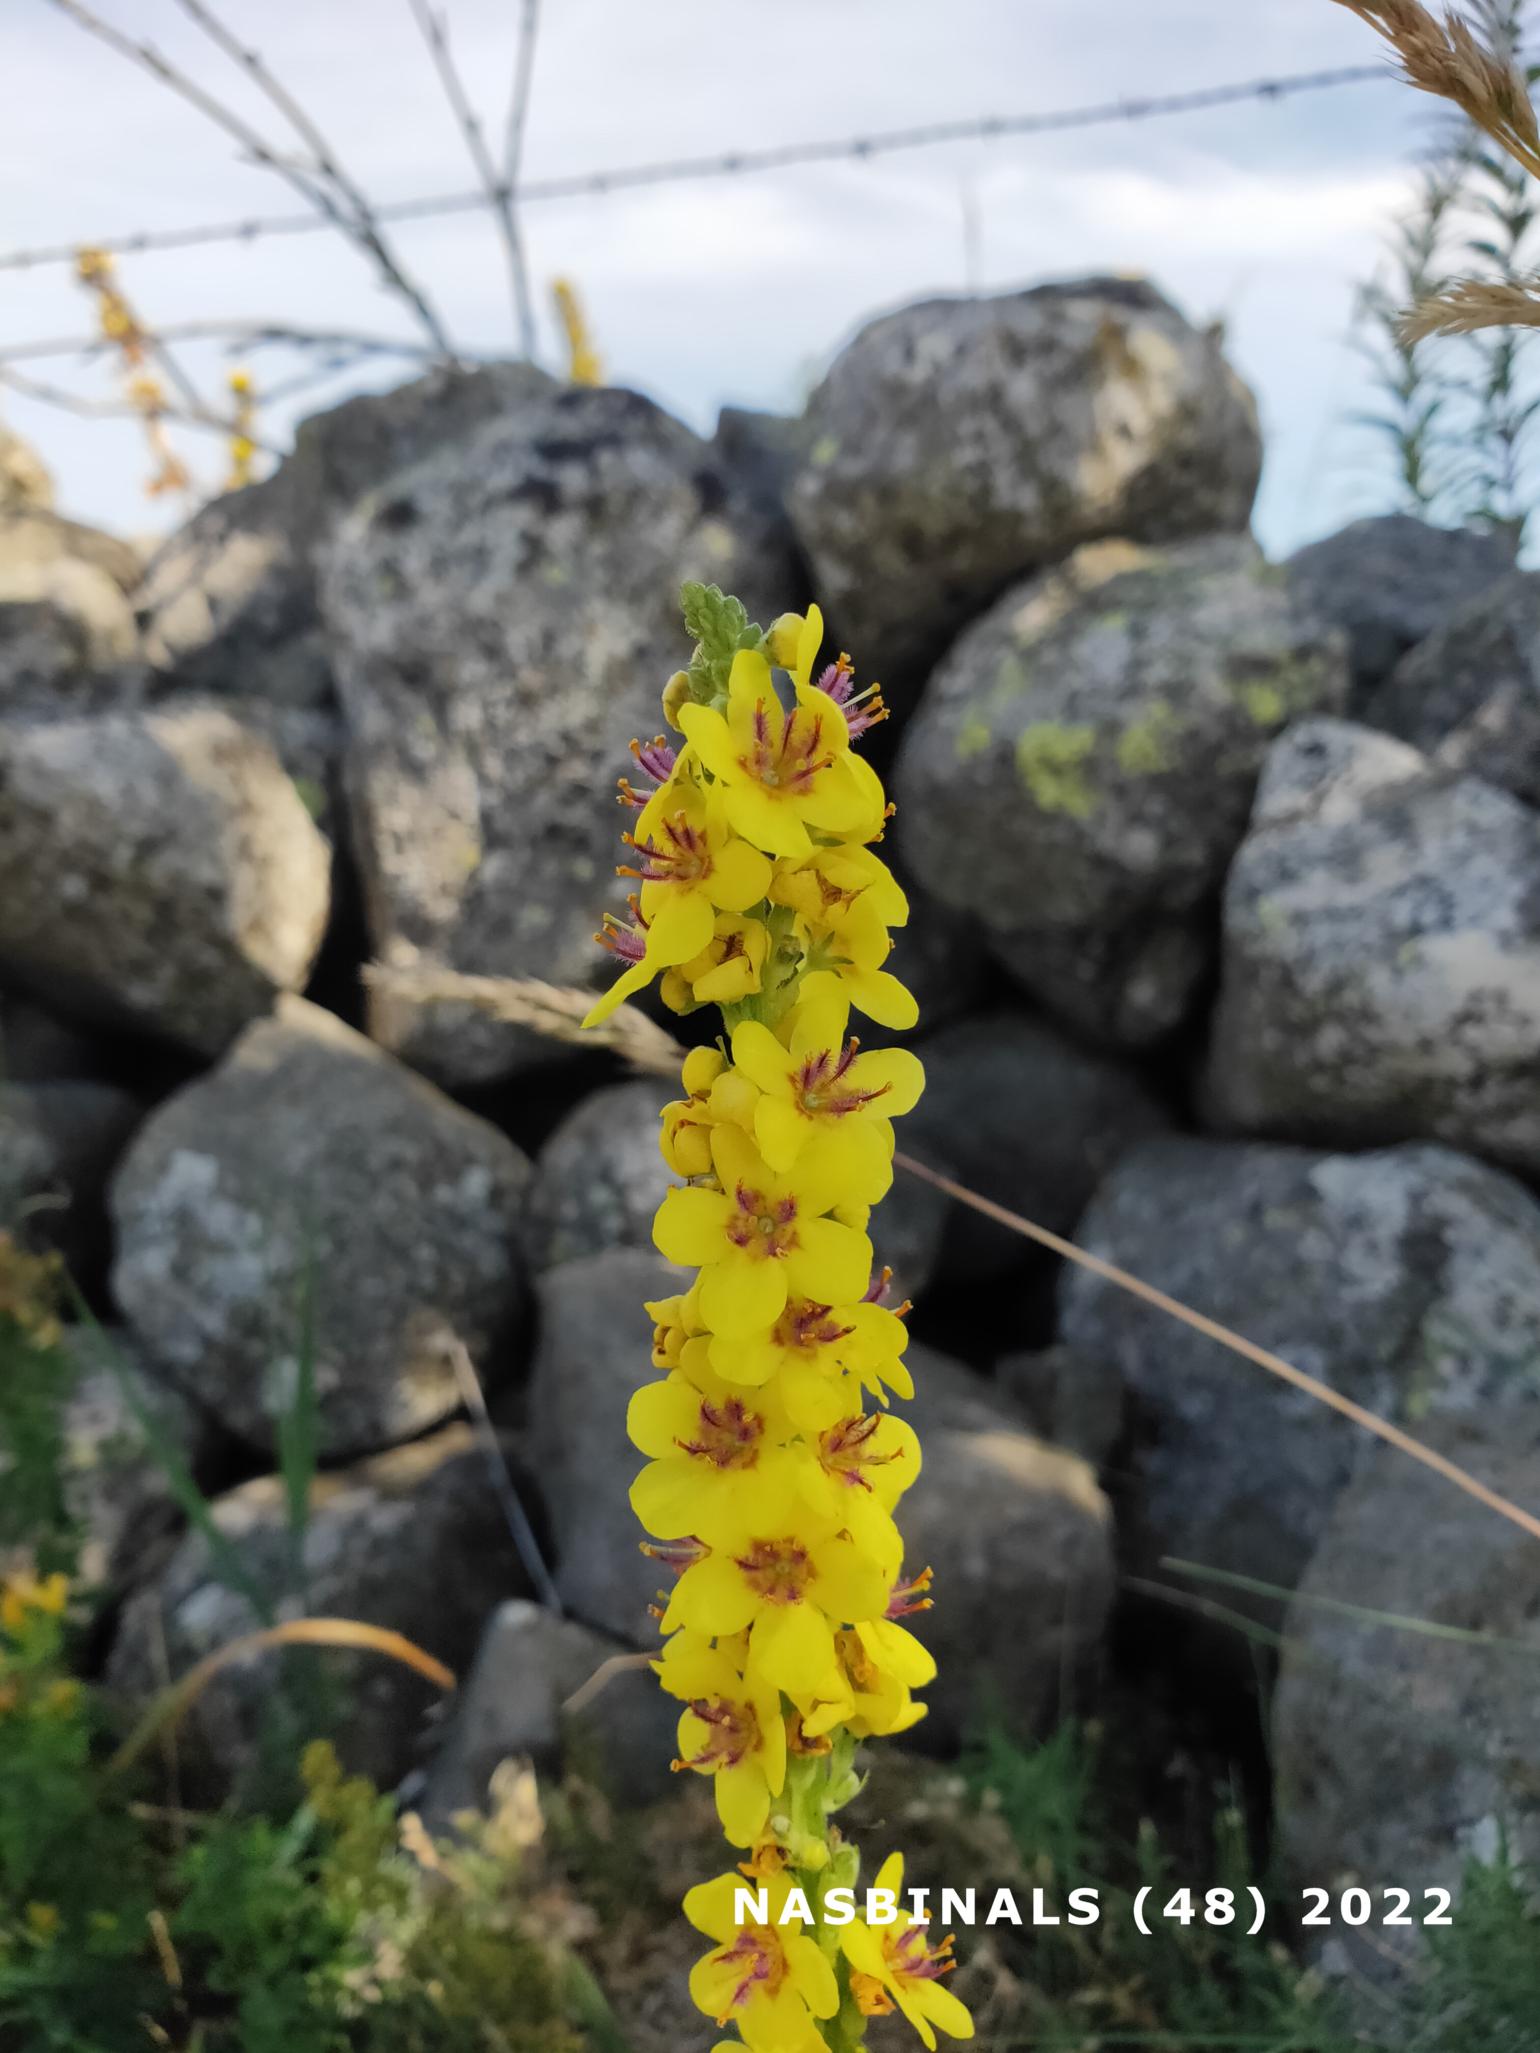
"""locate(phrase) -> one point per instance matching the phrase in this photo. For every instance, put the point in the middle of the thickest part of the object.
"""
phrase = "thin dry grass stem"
(602, 1677)
(168, 1710)
(1248, 1350)
(554, 1010)
(516, 1518)
(1443, 55)
(1471, 304)
(435, 33)
(240, 335)
(310, 183)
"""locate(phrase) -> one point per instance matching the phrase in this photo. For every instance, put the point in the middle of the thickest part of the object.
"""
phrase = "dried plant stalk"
(550, 1009)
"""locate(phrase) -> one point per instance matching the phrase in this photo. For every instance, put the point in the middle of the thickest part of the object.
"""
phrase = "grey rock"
(67, 633)
(1083, 761)
(763, 448)
(907, 1230)
(1469, 695)
(1408, 1280)
(1016, 1531)
(1381, 954)
(157, 870)
(502, 621)
(38, 536)
(228, 605)
(512, 1708)
(941, 956)
(1073, 1399)
(1021, 1115)
(1390, 581)
(309, 1150)
(412, 1541)
(1399, 1756)
(593, 1353)
(600, 1176)
(38, 1047)
(24, 479)
(115, 1484)
(958, 444)
(58, 1145)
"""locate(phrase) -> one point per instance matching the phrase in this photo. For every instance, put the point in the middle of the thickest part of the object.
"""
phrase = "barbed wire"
(733, 163)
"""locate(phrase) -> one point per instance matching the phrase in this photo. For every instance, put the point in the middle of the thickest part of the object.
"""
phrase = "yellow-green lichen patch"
(972, 740)
(823, 452)
(1292, 688)
(1148, 746)
(1051, 760)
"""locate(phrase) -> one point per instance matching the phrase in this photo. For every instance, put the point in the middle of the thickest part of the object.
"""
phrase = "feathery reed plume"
(1471, 304)
(1445, 56)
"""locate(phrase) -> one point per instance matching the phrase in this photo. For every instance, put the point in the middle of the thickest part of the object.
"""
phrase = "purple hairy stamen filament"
(912, 1956)
(909, 1597)
(843, 1451)
(730, 1435)
(792, 762)
(686, 858)
(734, 1732)
(820, 1075)
(628, 943)
(862, 710)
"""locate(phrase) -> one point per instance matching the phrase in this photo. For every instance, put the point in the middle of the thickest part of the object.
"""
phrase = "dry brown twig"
(648, 1047)
(314, 183)
(434, 26)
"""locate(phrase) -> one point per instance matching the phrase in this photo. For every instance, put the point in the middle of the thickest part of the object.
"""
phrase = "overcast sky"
(1263, 215)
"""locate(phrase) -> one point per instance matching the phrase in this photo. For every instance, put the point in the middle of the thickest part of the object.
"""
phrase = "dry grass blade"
(1443, 55)
(1237, 1343)
(172, 1706)
(554, 1010)
(1471, 304)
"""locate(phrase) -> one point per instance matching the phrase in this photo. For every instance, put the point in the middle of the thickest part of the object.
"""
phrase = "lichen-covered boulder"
(958, 444)
(413, 1541)
(228, 604)
(1398, 1755)
(157, 870)
(1017, 1531)
(1390, 581)
(1469, 695)
(1381, 954)
(1407, 1279)
(502, 621)
(1082, 763)
(311, 1161)
(1021, 1115)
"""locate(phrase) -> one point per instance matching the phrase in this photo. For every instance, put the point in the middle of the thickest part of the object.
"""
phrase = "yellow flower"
(783, 772)
(23, 1593)
(770, 1980)
(877, 1663)
(692, 869)
(861, 1466)
(812, 1350)
(732, 1730)
(728, 969)
(717, 1459)
(759, 1239)
(675, 1322)
(896, 1966)
(791, 1589)
(824, 1100)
